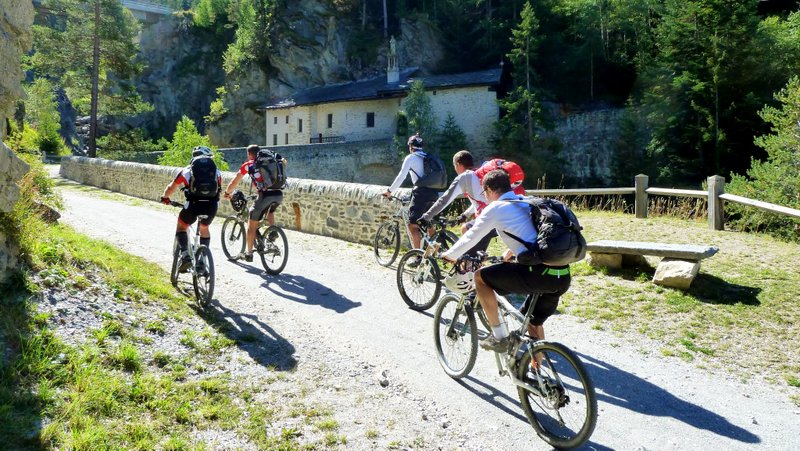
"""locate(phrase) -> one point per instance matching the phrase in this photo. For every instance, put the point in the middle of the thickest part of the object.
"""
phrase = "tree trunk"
(528, 94)
(385, 21)
(95, 82)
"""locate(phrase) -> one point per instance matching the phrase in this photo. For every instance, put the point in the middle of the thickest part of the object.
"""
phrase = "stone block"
(676, 273)
(605, 260)
(631, 261)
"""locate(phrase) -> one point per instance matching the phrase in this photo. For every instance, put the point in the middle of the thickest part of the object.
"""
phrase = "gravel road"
(333, 303)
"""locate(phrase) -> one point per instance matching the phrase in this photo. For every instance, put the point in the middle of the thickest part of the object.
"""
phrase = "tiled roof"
(377, 88)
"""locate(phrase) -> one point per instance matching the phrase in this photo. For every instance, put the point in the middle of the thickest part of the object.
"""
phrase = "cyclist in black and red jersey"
(266, 203)
(201, 182)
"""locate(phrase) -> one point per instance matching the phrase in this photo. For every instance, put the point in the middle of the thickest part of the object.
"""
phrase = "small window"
(274, 140)
(330, 120)
(275, 120)
(286, 138)
(370, 120)
(287, 119)
(299, 126)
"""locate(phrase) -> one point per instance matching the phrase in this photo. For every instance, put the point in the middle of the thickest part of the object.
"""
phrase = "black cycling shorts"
(195, 208)
(266, 202)
(505, 278)
(421, 200)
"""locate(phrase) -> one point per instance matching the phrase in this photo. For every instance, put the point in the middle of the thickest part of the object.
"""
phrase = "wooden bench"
(679, 265)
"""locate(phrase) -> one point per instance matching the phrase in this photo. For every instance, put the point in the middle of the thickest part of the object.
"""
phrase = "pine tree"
(98, 69)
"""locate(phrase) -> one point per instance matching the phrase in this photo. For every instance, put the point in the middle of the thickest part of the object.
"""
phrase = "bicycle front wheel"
(455, 335)
(418, 280)
(386, 244)
(203, 275)
(559, 399)
(446, 240)
(233, 237)
(274, 249)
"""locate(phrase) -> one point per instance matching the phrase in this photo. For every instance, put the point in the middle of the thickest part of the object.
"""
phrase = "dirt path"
(334, 303)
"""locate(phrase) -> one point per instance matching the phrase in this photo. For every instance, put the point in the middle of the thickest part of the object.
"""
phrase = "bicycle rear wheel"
(418, 280)
(203, 275)
(560, 401)
(386, 244)
(455, 335)
(176, 256)
(233, 237)
(274, 250)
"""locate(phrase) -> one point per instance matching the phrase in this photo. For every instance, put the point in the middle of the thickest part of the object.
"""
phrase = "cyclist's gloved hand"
(460, 219)
(423, 223)
(165, 200)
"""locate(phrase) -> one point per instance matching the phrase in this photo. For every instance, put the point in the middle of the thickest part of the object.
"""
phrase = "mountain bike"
(386, 244)
(419, 277)
(202, 267)
(554, 389)
(270, 242)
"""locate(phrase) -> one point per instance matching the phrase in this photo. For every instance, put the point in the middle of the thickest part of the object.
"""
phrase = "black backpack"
(270, 165)
(559, 241)
(435, 175)
(203, 184)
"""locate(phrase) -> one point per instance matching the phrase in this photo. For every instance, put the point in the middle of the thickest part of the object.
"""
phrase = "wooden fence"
(715, 196)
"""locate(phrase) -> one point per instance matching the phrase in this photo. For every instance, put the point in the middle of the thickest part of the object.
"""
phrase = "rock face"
(184, 68)
(312, 52)
(15, 39)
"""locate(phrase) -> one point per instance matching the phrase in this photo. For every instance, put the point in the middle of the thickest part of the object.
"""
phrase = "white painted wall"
(475, 110)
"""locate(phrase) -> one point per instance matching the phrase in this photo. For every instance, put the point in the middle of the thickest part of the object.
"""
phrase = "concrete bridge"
(147, 13)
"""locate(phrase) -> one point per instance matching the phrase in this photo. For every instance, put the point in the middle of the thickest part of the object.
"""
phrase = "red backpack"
(515, 173)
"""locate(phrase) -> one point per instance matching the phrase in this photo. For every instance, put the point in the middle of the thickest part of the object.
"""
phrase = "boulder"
(676, 273)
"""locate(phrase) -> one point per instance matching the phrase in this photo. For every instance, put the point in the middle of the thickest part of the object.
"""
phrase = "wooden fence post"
(641, 181)
(716, 217)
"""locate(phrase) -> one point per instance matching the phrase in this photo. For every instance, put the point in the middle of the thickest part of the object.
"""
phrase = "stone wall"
(347, 211)
(589, 144)
(372, 162)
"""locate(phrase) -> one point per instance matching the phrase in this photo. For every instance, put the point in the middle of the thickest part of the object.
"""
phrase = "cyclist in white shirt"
(510, 276)
(421, 197)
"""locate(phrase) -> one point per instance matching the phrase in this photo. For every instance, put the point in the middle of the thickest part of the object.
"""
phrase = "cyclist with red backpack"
(201, 182)
(266, 171)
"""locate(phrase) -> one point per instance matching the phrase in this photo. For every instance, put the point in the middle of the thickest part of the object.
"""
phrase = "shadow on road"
(301, 289)
(493, 396)
(618, 387)
(252, 335)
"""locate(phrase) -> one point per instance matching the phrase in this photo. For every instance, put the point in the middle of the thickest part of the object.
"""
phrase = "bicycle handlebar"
(176, 204)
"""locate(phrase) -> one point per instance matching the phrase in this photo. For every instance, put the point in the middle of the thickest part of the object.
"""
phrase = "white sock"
(500, 331)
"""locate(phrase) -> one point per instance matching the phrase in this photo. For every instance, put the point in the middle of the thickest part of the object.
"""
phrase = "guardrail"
(715, 196)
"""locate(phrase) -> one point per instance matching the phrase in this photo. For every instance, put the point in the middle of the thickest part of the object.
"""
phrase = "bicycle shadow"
(621, 388)
(508, 404)
(306, 291)
(493, 396)
(259, 340)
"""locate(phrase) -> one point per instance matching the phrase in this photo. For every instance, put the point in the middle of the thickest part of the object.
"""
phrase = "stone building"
(368, 109)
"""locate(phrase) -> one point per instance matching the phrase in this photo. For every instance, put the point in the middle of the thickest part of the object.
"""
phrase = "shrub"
(186, 137)
(776, 180)
(128, 145)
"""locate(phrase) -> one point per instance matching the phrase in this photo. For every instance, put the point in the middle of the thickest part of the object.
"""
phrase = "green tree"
(777, 179)
(705, 72)
(518, 127)
(185, 138)
(98, 70)
(41, 112)
(419, 112)
(449, 140)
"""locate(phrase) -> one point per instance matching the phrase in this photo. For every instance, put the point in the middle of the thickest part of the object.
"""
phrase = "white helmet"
(458, 282)
(201, 151)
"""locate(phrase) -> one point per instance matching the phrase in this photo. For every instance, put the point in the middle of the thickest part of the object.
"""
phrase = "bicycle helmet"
(415, 141)
(238, 201)
(459, 282)
(201, 151)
